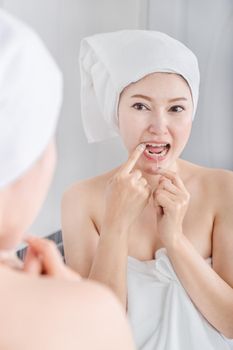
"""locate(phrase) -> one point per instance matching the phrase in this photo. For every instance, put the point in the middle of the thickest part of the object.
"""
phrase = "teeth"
(163, 153)
(157, 144)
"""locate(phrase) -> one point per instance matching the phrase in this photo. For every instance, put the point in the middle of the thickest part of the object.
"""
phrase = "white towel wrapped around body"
(161, 314)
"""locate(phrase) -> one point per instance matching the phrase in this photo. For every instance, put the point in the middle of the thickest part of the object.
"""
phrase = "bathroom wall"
(207, 28)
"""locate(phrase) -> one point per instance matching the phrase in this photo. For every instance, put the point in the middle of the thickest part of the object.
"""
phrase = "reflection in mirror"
(156, 228)
(210, 141)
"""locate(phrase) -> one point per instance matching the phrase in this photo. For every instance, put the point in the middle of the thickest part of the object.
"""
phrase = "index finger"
(133, 158)
(32, 263)
(50, 256)
(172, 176)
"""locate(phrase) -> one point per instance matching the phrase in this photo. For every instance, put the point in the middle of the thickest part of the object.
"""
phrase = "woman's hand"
(171, 200)
(127, 194)
(43, 258)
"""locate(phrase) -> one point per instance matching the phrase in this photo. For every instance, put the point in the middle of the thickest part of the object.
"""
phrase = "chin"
(152, 167)
(152, 170)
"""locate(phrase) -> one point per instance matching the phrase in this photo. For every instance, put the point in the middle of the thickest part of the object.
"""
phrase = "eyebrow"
(151, 99)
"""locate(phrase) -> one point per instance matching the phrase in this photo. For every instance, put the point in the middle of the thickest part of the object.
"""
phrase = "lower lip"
(160, 158)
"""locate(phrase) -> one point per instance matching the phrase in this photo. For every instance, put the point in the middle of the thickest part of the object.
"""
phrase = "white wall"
(207, 28)
(62, 24)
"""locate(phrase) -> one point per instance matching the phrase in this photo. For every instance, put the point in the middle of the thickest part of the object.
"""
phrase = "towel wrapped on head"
(30, 98)
(111, 61)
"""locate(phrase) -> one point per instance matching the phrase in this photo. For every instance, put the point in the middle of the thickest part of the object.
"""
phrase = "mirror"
(62, 26)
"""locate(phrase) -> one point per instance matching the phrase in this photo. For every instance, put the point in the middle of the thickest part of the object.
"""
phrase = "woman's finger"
(173, 177)
(165, 194)
(50, 257)
(32, 263)
(132, 160)
(143, 182)
(168, 185)
(51, 260)
(136, 174)
(165, 199)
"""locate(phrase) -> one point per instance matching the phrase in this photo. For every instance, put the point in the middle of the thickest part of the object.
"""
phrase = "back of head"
(30, 98)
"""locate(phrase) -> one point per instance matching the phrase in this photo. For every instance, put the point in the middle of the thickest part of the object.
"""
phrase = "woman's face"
(156, 110)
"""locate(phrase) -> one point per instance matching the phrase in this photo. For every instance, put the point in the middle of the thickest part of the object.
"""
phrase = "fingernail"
(142, 146)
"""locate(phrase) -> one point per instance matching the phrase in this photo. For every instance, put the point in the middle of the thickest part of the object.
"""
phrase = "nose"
(158, 124)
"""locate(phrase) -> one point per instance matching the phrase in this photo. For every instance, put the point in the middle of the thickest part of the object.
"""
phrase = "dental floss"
(157, 162)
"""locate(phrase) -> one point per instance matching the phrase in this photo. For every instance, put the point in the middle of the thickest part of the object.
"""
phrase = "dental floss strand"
(157, 162)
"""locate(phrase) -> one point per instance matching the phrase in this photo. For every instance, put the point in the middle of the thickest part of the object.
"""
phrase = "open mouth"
(157, 150)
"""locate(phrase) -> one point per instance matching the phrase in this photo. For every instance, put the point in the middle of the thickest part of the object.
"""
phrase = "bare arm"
(210, 289)
(99, 257)
(104, 259)
(80, 236)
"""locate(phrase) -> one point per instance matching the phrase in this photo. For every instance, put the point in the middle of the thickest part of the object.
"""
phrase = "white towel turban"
(111, 61)
(30, 98)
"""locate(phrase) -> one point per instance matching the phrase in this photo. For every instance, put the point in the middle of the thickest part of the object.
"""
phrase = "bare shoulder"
(82, 208)
(85, 190)
(78, 311)
(212, 180)
(220, 184)
(216, 175)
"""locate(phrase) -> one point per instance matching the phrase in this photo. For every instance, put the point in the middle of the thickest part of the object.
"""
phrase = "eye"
(177, 109)
(140, 106)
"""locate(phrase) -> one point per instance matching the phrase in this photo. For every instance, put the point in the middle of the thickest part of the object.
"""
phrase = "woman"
(56, 310)
(157, 229)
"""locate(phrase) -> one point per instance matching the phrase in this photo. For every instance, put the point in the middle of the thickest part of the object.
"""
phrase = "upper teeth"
(157, 144)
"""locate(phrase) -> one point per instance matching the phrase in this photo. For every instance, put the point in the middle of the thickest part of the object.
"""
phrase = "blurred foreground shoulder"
(57, 314)
(103, 319)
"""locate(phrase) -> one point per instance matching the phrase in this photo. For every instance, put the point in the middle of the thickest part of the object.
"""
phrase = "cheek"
(182, 132)
(131, 126)
(130, 130)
